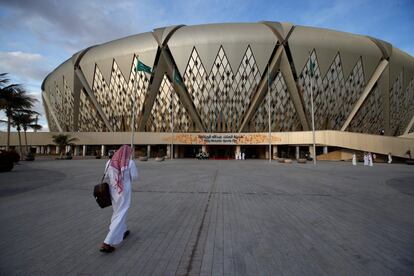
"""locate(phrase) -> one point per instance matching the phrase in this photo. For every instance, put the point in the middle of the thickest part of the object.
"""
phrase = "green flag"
(142, 67)
(269, 80)
(177, 78)
(311, 68)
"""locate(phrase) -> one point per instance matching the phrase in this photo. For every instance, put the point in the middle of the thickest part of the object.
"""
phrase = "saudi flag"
(177, 78)
(312, 68)
(269, 79)
(142, 67)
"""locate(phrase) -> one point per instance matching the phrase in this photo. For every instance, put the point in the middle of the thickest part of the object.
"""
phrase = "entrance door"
(189, 151)
(254, 152)
(221, 152)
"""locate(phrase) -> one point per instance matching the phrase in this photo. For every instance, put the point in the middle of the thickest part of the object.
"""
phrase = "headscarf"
(120, 162)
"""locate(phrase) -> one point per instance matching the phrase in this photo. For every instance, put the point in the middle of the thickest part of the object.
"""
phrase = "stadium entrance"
(225, 152)
(254, 152)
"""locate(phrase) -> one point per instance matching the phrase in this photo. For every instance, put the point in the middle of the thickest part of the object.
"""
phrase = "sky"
(38, 35)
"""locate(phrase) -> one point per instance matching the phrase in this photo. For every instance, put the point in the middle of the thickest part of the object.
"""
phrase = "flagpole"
(133, 110)
(313, 116)
(268, 102)
(172, 118)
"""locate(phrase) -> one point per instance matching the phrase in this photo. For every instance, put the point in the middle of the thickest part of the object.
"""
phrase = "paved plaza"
(191, 217)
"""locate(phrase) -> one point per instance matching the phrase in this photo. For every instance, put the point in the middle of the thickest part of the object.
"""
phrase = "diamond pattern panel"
(333, 96)
(89, 118)
(62, 105)
(68, 108)
(167, 108)
(283, 114)
(221, 97)
(369, 118)
(401, 106)
(305, 81)
(116, 99)
(196, 81)
(246, 81)
(351, 92)
(52, 125)
(410, 105)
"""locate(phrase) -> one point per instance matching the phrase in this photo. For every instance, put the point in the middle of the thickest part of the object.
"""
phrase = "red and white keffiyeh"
(119, 163)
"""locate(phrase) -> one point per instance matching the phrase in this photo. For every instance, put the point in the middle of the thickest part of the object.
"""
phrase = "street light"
(312, 67)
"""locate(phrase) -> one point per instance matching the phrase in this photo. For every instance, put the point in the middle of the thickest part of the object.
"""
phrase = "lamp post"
(268, 103)
(133, 112)
(313, 116)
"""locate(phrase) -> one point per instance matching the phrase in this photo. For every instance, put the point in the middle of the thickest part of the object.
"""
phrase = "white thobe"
(354, 160)
(389, 159)
(365, 160)
(120, 202)
(370, 160)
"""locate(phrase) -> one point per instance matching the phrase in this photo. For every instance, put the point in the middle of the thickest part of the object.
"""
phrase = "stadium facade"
(227, 80)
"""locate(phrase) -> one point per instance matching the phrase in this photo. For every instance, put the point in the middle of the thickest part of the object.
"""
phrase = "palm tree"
(63, 140)
(12, 97)
(3, 79)
(29, 121)
(17, 121)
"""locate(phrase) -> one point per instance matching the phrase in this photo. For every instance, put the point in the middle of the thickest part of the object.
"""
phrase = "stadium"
(235, 87)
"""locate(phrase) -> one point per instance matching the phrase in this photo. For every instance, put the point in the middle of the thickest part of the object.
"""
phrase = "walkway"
(192, 217)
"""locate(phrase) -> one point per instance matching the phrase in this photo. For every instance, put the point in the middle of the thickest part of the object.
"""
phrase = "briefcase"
(101, 192)
(102, 195)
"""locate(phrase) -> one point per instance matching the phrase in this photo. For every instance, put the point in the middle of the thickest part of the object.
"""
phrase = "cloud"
(38, 105)
(26, 67)
(78, 24)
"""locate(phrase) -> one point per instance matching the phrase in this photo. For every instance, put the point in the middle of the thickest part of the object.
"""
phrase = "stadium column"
(84, 150)
(238, 150)
(274, 151)
(409, 125)
(268, 153)
(50, 109)
(287, 74)
(81, 77)
(165, 65)
(367, 90)
(169, 151)
(181, 90)
(384, 86)
(259, 96)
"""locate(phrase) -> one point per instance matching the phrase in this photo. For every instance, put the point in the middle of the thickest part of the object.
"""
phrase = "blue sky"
(37, 35)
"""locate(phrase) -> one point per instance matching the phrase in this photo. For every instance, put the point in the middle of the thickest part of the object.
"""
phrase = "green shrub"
(12, 155)
(7, 160)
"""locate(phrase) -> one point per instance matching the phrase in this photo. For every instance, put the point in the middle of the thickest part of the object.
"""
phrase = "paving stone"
(191, 217)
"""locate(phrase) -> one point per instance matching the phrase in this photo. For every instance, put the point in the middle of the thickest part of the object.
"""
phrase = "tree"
(63, 140)
(29, 120)
(13, 97)
(16, 121)
(22, 119)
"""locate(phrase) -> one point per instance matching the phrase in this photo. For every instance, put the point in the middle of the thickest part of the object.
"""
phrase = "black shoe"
(126, 234)
(106, 248)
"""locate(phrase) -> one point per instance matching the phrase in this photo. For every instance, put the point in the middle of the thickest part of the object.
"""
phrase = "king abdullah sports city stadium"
(220, 88)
